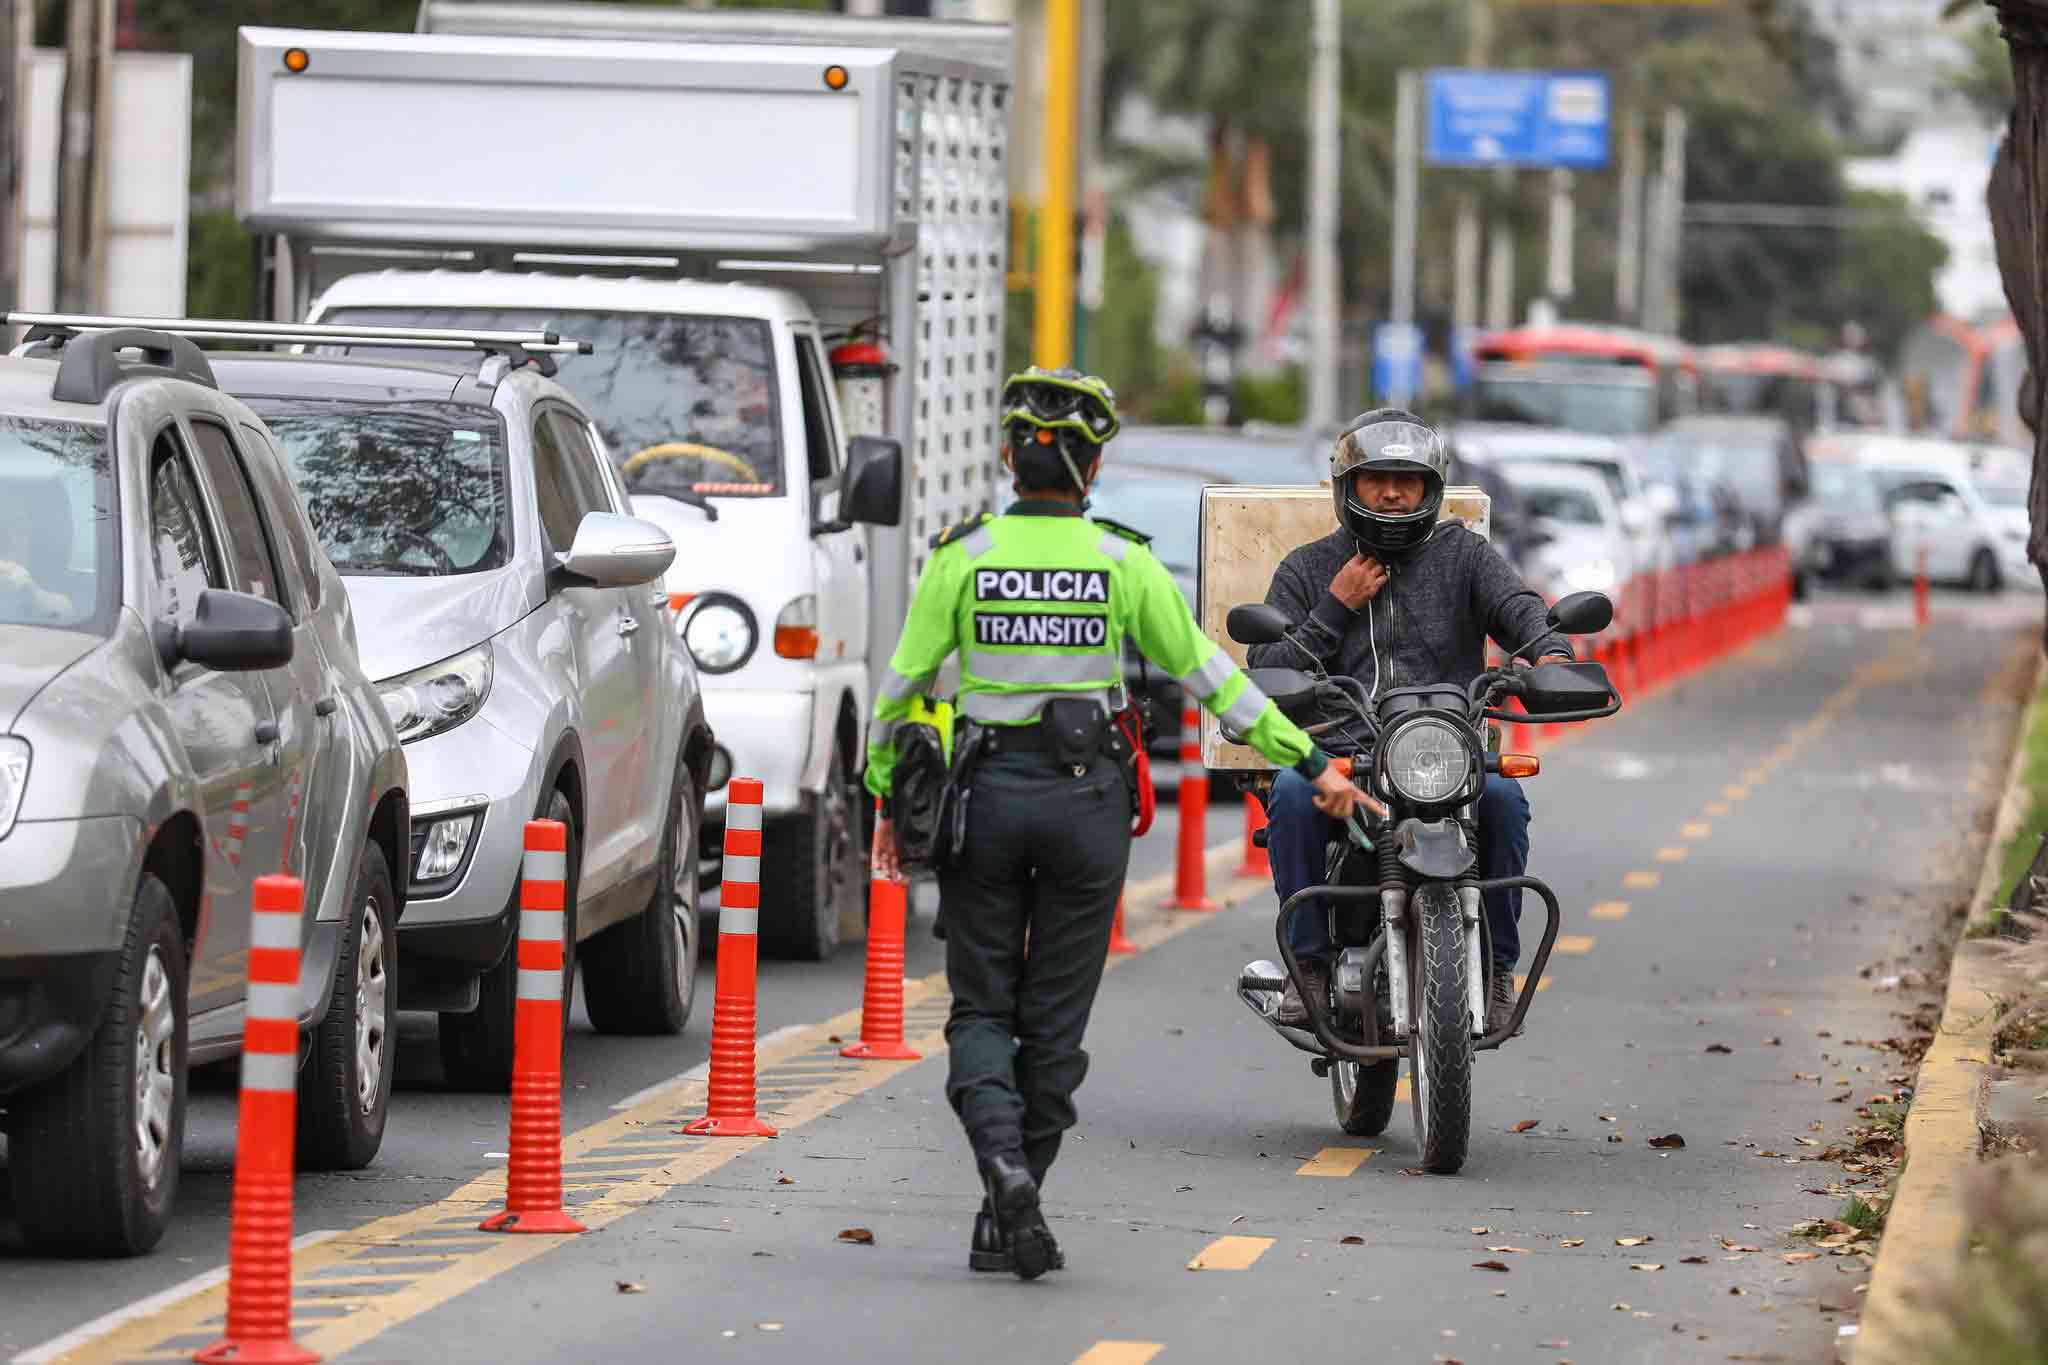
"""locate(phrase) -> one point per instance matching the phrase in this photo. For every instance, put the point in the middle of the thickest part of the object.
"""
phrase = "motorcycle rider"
(1394, 598)
(1037, 602)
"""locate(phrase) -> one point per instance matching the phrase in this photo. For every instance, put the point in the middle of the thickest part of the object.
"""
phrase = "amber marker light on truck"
(835, 78)
(296, 60)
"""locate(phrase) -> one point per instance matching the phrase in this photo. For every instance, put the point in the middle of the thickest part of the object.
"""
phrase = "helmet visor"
(1045, 400)
(1390, 446)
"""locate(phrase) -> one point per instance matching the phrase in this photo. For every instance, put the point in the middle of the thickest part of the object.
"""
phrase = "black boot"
(1013, 1198)
(988, 1251)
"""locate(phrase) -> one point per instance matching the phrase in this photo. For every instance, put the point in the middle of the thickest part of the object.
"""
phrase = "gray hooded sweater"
(1428, 624)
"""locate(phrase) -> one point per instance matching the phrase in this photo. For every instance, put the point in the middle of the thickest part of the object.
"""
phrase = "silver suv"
(181, 711)
(513, 616)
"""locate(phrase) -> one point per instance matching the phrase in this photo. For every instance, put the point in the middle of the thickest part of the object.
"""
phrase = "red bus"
(1606, 380)
(1759, 380)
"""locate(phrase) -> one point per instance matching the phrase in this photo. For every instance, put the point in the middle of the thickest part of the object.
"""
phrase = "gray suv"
(181, 712)
(513, 616)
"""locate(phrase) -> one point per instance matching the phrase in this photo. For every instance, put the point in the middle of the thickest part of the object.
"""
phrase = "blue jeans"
(1299, 835)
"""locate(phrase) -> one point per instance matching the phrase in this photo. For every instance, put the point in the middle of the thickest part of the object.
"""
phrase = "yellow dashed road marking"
(1642, 880)
(1119, 1353)
(1695, 829)
(1717, 808)
(1402, 1094)
(1675, 854)
(1610, 910)
(1734, 792)
(1401, 1090)
(1756, 775)
(1574, 945)
(1337, 1162)
(1231, 1253)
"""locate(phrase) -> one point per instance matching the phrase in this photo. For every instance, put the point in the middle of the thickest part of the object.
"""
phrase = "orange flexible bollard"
(881, 1004)
(1256, 863)
(259, 1325)
(1920, 603)
(730, 1110)
(533, 1174)
(1117, 942)
(1190, 883)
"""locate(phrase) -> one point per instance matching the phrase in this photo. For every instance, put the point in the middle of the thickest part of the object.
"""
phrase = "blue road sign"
(1532, 119)
(1396, 361)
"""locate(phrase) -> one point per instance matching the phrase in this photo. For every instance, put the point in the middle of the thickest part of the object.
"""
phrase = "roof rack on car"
(91, 370)
(539, 346)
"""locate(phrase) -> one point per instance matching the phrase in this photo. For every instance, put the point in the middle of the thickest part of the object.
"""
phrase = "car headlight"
(720, 634)
(438, 697)
(13, 779)
(1594, 575)
(1428, 762)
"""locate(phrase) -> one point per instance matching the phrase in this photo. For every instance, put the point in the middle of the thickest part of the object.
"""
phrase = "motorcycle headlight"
(438, 697)
(720, 634)
(1428, 762)
(13, 779)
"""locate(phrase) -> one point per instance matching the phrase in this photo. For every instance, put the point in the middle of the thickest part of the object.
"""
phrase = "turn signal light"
(835, 78)
(1520, 765)
(796, 629)
(678, 600)
(296, 60)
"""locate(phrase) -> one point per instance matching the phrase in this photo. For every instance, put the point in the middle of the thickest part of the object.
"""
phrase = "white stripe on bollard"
(271, 930)
(545, 865)
(744, 868)
(541, 926)
(540, 984)
(272, 1000)
(743, 815)
(273, 1071)
(735, 920)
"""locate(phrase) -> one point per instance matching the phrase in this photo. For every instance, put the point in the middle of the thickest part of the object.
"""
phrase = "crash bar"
(239, 329)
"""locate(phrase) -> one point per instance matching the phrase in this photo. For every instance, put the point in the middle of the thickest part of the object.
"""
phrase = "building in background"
(1898, 60)
(1943, 168)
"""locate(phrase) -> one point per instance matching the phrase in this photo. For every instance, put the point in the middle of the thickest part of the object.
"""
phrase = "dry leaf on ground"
(1672, 1140)
(1490, 1265)
(858, 1236)
(1518, 1251)
(1693, 1260)
(1352, 1241)
(1633, 1241)
(1647, 1265)
(1719, 1047)
(1795, 1257)
(1573, 1242)
(1524, 1126)
(630, 1286)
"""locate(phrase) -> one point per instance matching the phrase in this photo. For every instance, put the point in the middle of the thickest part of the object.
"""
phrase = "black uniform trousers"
(1028, 905)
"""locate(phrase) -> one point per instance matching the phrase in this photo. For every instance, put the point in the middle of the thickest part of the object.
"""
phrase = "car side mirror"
(614, 551)
(1582, 613)
(1256, 623)
(871, 492)
(232, 632)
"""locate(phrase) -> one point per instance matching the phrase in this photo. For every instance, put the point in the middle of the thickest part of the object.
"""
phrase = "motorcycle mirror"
(1284, 687)
(1255, 623)
(1582, 613)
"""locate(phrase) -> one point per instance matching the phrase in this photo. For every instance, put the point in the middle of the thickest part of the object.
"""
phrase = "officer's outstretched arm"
(930, 633)
(1165, 630)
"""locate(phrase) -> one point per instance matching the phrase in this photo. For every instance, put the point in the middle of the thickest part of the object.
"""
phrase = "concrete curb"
(1924, 1229)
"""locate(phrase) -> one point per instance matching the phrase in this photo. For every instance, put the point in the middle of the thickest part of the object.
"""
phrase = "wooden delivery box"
(1247, 529)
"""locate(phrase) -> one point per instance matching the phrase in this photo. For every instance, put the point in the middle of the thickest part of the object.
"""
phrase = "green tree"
(1883, 272)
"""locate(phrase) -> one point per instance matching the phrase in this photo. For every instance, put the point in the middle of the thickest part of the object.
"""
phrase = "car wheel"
(1984, 575)
(814, 872)
(640, 976)
(476, 1048)
(345, 1085)
(94, 1152)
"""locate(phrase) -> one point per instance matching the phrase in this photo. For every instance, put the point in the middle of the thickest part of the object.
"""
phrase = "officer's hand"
(883, 859)
(1336, 796)
(1359, 581)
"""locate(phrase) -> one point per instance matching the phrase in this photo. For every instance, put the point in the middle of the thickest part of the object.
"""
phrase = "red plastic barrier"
(881, 1006)
(730, 1107)
(1190, 883)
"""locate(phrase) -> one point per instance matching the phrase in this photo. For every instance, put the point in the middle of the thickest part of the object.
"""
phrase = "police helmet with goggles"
(1054, 425)
(1388, 441)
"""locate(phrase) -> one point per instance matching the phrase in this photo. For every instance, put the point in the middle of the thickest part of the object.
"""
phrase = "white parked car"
(1641, 506)
(1573, 527)
(1965, 505)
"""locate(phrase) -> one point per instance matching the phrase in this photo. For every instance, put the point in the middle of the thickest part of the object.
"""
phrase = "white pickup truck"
(716, 215)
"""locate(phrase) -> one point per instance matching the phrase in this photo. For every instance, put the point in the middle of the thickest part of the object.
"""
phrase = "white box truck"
(789, 257)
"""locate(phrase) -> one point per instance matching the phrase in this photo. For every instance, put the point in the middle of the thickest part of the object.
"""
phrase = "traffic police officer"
(1038, 601)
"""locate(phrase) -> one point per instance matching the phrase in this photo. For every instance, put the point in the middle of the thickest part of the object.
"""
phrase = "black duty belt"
(1033, 738)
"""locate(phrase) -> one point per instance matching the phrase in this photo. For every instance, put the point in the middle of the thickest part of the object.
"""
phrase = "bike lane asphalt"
(1730, 853)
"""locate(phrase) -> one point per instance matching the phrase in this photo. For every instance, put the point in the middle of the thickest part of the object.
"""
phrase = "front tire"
(345, 1086)
(640, 976)
(476, 1048)
(815, 873)
(94, 1151)
(1364, 1095)
(1984, 575)
(1441, 1091)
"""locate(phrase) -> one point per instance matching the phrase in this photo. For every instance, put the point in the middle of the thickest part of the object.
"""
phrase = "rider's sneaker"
(1501, 997)
(1316, 976)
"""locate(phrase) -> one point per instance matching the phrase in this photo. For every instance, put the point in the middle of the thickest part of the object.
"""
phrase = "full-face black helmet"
(1393, 441)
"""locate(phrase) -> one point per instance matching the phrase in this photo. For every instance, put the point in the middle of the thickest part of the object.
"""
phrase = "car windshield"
(398, 489)
(1578, 403)
(1843, 488)
(686, 404)
(1168, 510)
(56, 526)
(1557, 502)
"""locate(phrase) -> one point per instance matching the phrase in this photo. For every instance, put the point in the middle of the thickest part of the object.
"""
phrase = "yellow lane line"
(1574, 945)
(1231, 1253)
(1756, 775)
(1674, 854)
(1734, 792)
(1610, 910)
(1119, 1353)
(374, 1245)
(1717, 808)
(1403, 1095)
(1401, 1090)
(1642, 880)
(1695, 829)
(1337, 1162)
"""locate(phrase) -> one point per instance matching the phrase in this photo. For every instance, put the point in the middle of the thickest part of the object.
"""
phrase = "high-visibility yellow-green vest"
(1037, 602)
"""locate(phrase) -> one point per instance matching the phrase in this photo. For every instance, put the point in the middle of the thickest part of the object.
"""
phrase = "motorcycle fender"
(1433, 849)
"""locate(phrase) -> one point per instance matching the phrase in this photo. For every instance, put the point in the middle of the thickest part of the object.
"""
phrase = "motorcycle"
(1410, 981)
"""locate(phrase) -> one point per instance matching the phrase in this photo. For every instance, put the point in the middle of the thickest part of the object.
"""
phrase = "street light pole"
(1052, 342)
(1322, 218)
